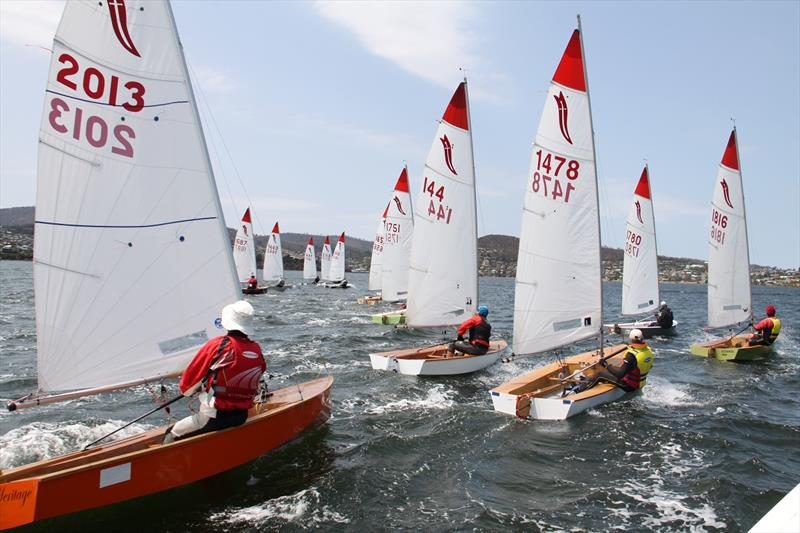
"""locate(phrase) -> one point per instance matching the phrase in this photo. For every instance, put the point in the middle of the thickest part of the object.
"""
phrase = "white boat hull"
(431, 362)
(554, 408)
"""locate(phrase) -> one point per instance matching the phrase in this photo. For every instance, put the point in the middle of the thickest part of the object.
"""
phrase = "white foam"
(301, 509)
(666, 394)
(436, 398)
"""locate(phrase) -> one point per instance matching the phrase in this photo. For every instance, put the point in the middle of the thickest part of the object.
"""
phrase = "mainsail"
(337, 261)
(640, 263)
(325, 266)
(557, 298)
(729, 300)
(310, 261)
(376, 260)
(443, 275)
(399, 228)
(244, 248)
(273, 256)
(132, 260)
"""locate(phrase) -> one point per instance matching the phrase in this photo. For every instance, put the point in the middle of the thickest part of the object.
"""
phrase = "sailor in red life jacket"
(631, 375)
(227, 371)
(767, 330)
(252, 282)
(479, 332)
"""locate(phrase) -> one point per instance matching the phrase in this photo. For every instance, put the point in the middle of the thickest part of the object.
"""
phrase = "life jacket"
(235, 375)
(480, 333)
(637, 378)
(776, 328)
(252, 283)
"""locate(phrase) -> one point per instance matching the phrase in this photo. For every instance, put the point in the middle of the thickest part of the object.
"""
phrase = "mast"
(597, 184)
(235, 286)
(474, 193)
(655, 239)
(744, 215)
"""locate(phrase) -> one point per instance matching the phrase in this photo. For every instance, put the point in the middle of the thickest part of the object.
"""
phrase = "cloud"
(29, 22)
(428, 39)
(212, 80)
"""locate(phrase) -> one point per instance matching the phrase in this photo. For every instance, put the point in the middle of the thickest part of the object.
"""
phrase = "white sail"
(132, 260)
(443, 274)
(557, 298)
(398, 228)
(273, 256)
(325, 266)
(640, 263)
(376, 260)
(729, 300)
(337, 261)
(310, 261)
(244, 249)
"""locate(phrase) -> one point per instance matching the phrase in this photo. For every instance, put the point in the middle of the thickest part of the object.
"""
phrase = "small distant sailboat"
(132, 264)
(443, 275)
(729, 291)
(273, 261)
(376, 264)
(310, 263)
(336, 279)
(640, 289)
(325, 261)
(244, 254)
(558, 299)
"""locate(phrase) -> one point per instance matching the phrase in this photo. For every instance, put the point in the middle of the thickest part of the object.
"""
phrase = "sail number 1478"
(553, 175)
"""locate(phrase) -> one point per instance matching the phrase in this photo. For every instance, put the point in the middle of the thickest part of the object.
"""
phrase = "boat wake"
(436, 398)
(662, 393)
(302, 509)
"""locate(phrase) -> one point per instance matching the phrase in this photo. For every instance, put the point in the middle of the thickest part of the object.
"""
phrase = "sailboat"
(132, 262)
(398, 231)
(244, 254)
(640, 290)
(558, 292)
(376, 264)
(335, 279)
(729, 292)
(273, 261)
(310, 263)
(443, 266)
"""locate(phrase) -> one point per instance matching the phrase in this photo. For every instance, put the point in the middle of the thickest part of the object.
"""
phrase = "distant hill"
(16, 216)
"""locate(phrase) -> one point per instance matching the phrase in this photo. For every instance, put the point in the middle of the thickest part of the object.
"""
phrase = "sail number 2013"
(551, 169)
(96, 86)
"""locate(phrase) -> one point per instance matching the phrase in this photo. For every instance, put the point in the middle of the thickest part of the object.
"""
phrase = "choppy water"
(708, 446)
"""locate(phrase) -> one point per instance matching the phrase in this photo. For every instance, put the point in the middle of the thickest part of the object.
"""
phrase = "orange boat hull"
(141, 465)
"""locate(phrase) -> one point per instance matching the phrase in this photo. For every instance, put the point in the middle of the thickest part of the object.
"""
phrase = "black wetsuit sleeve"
(628, 364)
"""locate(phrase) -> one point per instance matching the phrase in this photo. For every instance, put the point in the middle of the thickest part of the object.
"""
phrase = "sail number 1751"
(553, 175)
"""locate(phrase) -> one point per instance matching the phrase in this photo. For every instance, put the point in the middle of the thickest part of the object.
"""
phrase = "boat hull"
(431, 361)
(537, 394)
(369, 300)
(645, 327)
(259, 290)
(733, 349)
(392, 318)
(141, 465)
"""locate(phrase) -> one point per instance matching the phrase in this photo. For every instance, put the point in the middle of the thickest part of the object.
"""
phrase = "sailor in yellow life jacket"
(631, 375)
(767, 330)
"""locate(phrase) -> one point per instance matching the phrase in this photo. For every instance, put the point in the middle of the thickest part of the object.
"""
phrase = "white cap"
(238, 316)
(635, 335)
(663, 302)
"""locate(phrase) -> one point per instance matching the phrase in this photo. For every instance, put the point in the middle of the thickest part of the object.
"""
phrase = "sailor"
(226, 370)
(316, 280)
(664, 316)
(479, 332)
(252, 281)
(632, 373)
(767, 330)
(280, 283)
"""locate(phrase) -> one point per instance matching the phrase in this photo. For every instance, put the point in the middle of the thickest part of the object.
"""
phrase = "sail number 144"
(553, 175)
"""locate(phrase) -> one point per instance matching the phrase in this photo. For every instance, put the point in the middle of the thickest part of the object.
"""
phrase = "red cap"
(730, 159)
(311, 241)
(402, 182)
(570, 70)
(275, 229)
(246, 217)
(386, 211)
(341, 237)
(456, 112)
(643, 188)
(770, 310)
(327, 240)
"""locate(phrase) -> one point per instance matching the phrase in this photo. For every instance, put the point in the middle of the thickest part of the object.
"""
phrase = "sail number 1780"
(553, 175)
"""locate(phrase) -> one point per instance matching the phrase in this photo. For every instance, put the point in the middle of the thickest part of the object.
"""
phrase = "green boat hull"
(389, 319)
(734, 349)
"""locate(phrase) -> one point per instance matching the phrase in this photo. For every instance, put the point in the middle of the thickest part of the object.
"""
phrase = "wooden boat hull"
(141, 465)
(369, 300)
(537, 394)
(390, 318)
(732, 349)
(259, 290)
(431, 361)
(645, 327)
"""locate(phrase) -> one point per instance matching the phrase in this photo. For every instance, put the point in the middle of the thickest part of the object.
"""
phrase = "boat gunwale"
(427, 353)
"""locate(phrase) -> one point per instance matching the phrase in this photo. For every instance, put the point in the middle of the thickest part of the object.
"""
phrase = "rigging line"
(227, 151)
(603, 190)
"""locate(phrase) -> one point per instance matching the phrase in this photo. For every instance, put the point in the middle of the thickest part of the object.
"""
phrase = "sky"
(311, 109)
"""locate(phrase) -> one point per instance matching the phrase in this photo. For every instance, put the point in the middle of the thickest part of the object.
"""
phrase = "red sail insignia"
(448, 154)
(119, 21)
(399, 205)
(639, 211)
(244, 229)
(561, 102)
(726, 192)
